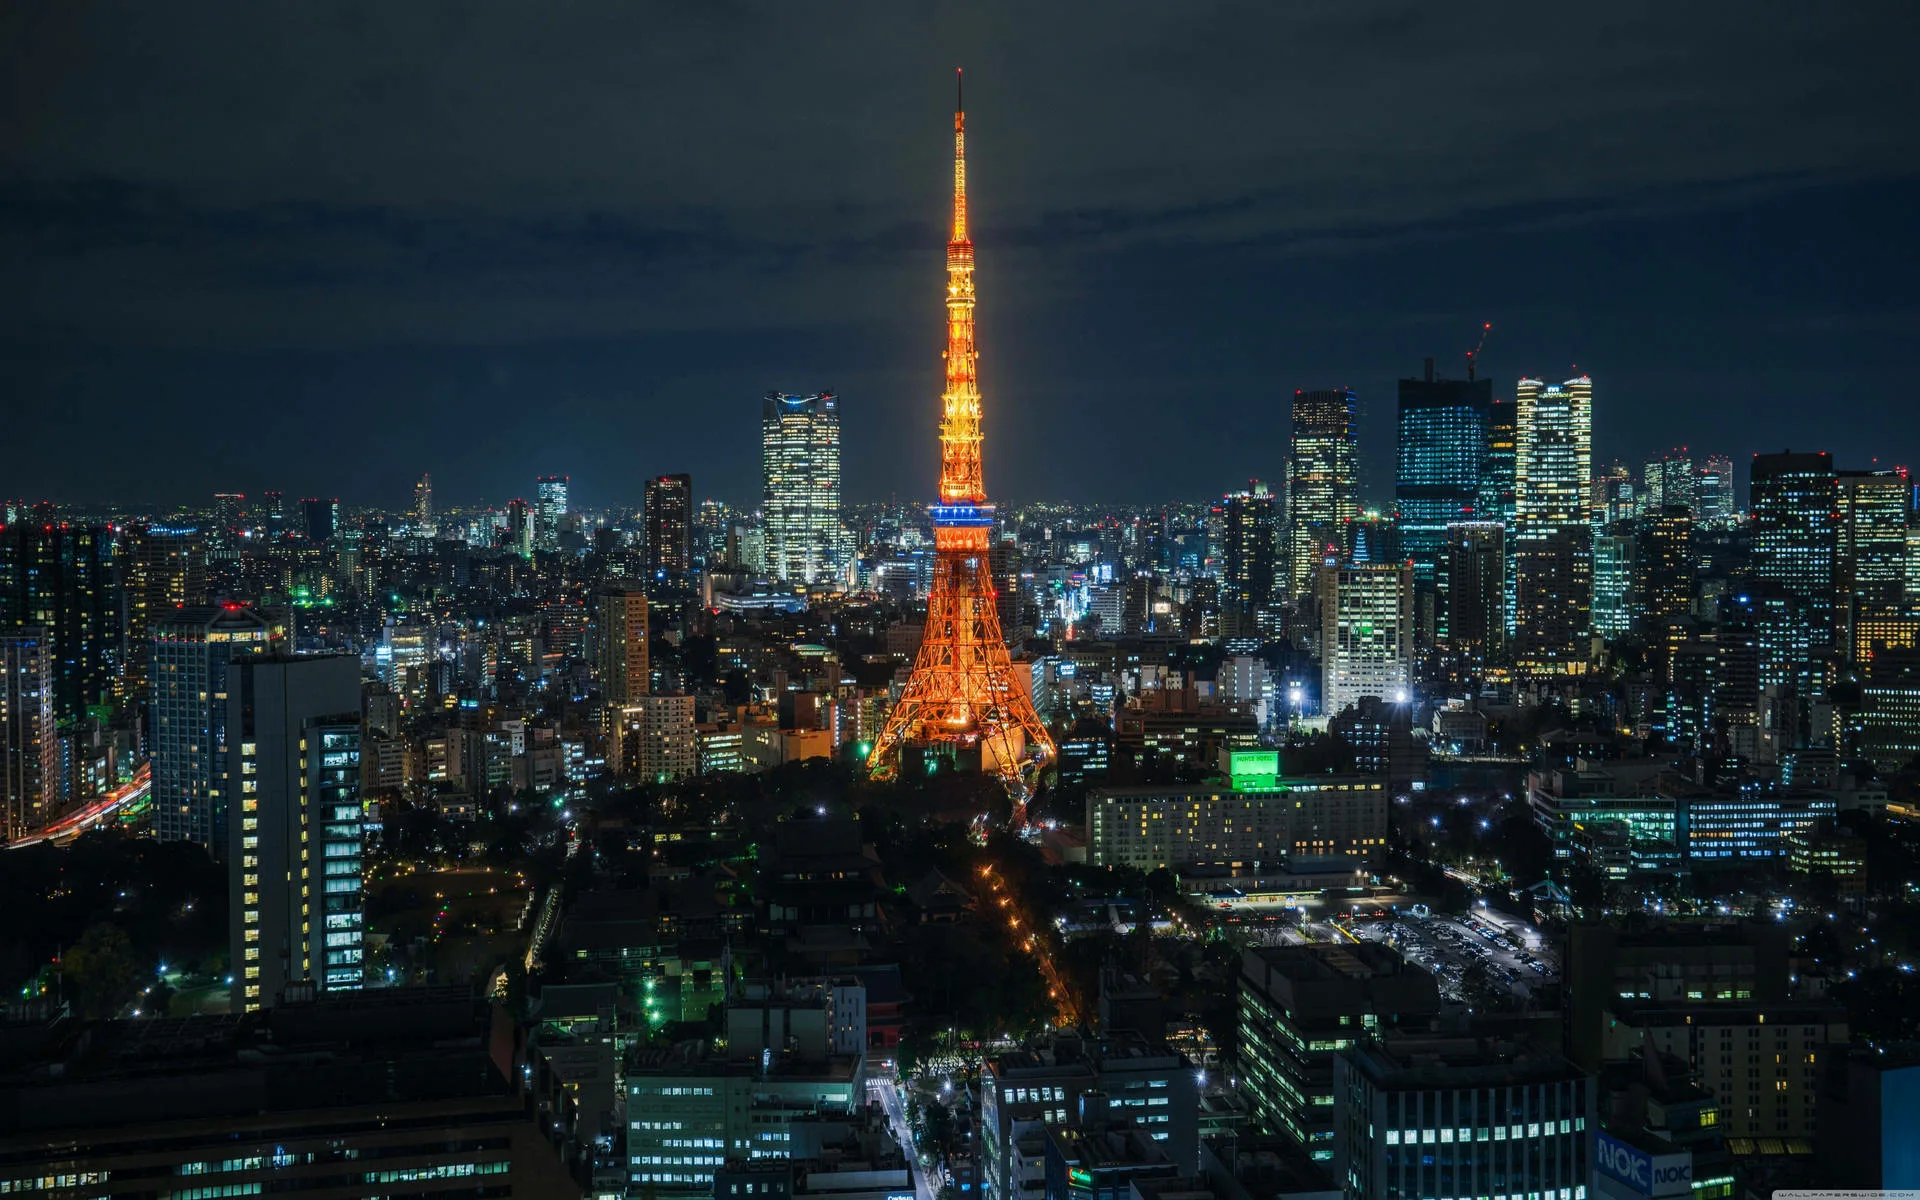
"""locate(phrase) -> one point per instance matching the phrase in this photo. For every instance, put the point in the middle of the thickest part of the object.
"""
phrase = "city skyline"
(554, 291)
(1291, 740)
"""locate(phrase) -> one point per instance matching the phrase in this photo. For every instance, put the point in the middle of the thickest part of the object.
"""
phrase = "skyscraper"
(1795, 531)
(1669, 483)
(549, 511)
(423, 505)
(1321, 474)
(1713, 493)
(166, 570)
(1665, 563)
(620, 627)
(1441, 463)
(294, 866)
(669, 522)
(1471, 586)
(1498, 479)
(1871, 540)
(962, 695)
(1553, 539)
(1612, 612)
(1366, 634)
(322, 518)
(189, 664)
(29, 749)
(229, 521)
(800, 463)
(1250, 575)
(61, 579)
(519, 528)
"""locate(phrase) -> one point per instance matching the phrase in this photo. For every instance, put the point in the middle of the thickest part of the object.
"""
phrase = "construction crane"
(1473, 355)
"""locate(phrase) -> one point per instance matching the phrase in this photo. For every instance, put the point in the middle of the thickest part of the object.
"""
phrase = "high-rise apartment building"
(62, 579)
(1442, 461)
(423, 505)
(166, 570)
(549, 511)
(1321, 475)
(29, 748)
(1366, 634)
(1250, 560)
(1795, 531)
(1553, 539)
(620, 629)
(1471, 590)
(665, 740)
(800, 463)
(189, 665)
(669, 524)
(292, 775)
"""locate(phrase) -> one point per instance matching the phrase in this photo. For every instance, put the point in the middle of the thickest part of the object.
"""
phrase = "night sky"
(324, 247)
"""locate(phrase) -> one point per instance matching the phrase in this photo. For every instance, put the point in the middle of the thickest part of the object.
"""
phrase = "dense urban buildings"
(1501, 823)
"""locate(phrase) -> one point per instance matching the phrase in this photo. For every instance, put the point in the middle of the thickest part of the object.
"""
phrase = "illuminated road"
(92, 813)
(1034, 942)
(888, 1093)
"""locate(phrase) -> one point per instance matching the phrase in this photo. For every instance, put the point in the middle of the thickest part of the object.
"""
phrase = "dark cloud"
(491, 239)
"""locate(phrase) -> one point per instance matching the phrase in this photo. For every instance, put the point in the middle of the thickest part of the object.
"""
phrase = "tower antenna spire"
(961, 698)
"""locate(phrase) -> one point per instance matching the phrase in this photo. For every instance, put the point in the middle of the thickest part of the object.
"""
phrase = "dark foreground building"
(372, 1094)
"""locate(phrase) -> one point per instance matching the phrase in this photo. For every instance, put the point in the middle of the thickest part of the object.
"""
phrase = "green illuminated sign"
(1254, 770)
(1079, 1177)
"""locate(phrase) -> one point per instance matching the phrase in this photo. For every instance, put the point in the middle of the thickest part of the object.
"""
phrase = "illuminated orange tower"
(963, 692)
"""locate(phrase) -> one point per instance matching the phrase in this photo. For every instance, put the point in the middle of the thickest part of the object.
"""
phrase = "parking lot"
(1467, 954)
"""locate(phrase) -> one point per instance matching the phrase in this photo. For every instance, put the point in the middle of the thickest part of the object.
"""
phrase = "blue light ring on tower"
(976, 516)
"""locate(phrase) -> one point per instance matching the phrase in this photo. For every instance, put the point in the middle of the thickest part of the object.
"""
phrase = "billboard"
(1647, 1174)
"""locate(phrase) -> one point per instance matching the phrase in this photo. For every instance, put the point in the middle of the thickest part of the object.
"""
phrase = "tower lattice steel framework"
(962, 692)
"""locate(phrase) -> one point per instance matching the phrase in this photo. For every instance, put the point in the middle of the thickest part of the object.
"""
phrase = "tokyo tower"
(962, 693)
